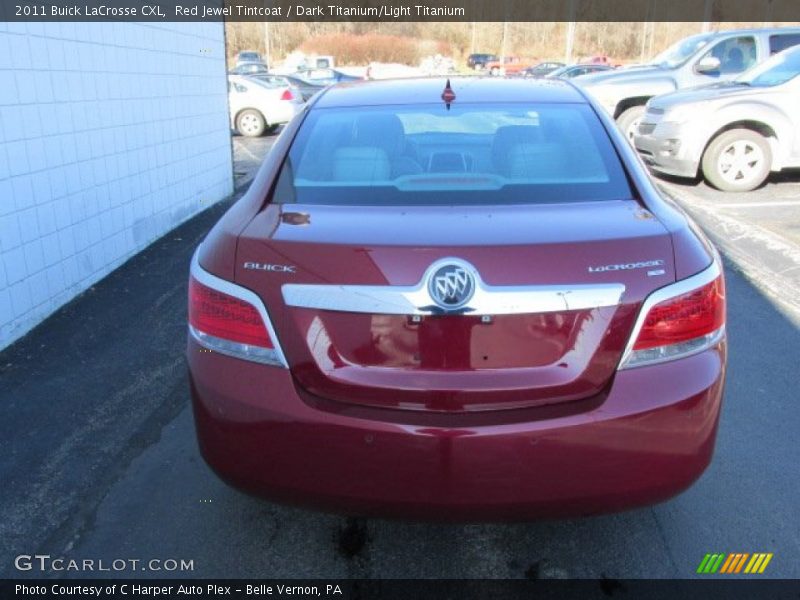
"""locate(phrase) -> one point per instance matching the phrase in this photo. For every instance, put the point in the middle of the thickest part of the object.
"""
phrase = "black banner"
(762, 11)
(360, 589)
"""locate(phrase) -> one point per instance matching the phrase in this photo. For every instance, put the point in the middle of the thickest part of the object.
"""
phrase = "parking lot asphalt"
(759, 231)
(99, 459)
(247, 156)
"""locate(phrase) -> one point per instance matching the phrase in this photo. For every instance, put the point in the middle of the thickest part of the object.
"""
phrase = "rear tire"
(628, 121)
(495, 71)
(738, 160)
(251, 123)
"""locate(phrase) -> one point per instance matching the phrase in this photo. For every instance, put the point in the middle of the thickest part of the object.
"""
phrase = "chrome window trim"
(416, 300)
(667, 292)
(237, 291)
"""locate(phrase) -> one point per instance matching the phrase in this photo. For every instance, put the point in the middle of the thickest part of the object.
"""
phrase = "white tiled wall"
(111, 134)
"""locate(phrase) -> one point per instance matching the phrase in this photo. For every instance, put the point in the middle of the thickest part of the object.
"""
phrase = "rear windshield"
(467, 154)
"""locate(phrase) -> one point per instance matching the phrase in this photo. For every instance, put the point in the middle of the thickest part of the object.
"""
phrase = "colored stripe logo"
(733, 563)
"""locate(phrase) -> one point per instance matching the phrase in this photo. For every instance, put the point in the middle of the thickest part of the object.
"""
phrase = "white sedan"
(260, 106)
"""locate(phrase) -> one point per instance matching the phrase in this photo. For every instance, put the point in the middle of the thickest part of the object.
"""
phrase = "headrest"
(508, 136)
(361, 163)
(381, 130)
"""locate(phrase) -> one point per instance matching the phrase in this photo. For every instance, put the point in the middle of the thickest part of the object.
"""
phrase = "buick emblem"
(451, 286)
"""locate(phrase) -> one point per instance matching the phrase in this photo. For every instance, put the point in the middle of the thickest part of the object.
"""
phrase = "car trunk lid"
(557, 289)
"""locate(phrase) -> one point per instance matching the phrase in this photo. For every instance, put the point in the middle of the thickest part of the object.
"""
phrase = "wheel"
(628, 121)
(251, 123)
(738, 160)
(495, 71)
(478, 67)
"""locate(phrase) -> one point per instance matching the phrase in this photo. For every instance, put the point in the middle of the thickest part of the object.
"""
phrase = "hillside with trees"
(357, 43)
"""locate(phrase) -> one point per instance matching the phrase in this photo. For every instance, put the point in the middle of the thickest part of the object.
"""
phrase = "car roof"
(426, 90)
(756, 30)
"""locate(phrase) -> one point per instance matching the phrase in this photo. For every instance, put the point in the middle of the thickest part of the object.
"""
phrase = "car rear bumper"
(649, 438)
(283, 112)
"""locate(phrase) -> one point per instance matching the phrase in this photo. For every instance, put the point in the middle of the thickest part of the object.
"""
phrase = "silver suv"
(696, 60)
(734, 132)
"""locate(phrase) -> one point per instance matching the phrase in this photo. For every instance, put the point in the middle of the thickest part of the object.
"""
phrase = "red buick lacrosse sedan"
(456, 300)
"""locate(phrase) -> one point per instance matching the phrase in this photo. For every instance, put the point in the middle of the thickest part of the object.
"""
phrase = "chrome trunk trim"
(487, 299)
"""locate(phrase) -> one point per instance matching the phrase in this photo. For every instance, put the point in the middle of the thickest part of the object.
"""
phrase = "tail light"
(679, 320)
(230, 319)
(287, 95)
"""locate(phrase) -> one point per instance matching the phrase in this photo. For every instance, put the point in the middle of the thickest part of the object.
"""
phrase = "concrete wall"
(111, 134)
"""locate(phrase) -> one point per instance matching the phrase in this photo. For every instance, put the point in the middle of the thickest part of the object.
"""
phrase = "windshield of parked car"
(681, 51)
(465, 154)
(779, 69)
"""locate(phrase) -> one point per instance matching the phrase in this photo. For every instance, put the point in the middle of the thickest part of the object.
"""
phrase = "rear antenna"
(448, 95)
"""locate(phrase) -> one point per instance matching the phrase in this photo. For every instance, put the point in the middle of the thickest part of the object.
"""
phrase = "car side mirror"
(708, 64)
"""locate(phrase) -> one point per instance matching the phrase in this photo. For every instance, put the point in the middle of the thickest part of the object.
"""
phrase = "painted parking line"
(239, 146)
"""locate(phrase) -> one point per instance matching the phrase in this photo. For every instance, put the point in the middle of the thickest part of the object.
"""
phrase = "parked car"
(478, 61)
(248, 56)
(509, 65)
(250, 68)
(317, 62)
(325, 76)
(735, 132)
(304, 88)
(299, 86)
(696, 60)
(572, 71)
(542, 69)
(426, 307)
(258, 107)
(596, 59)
